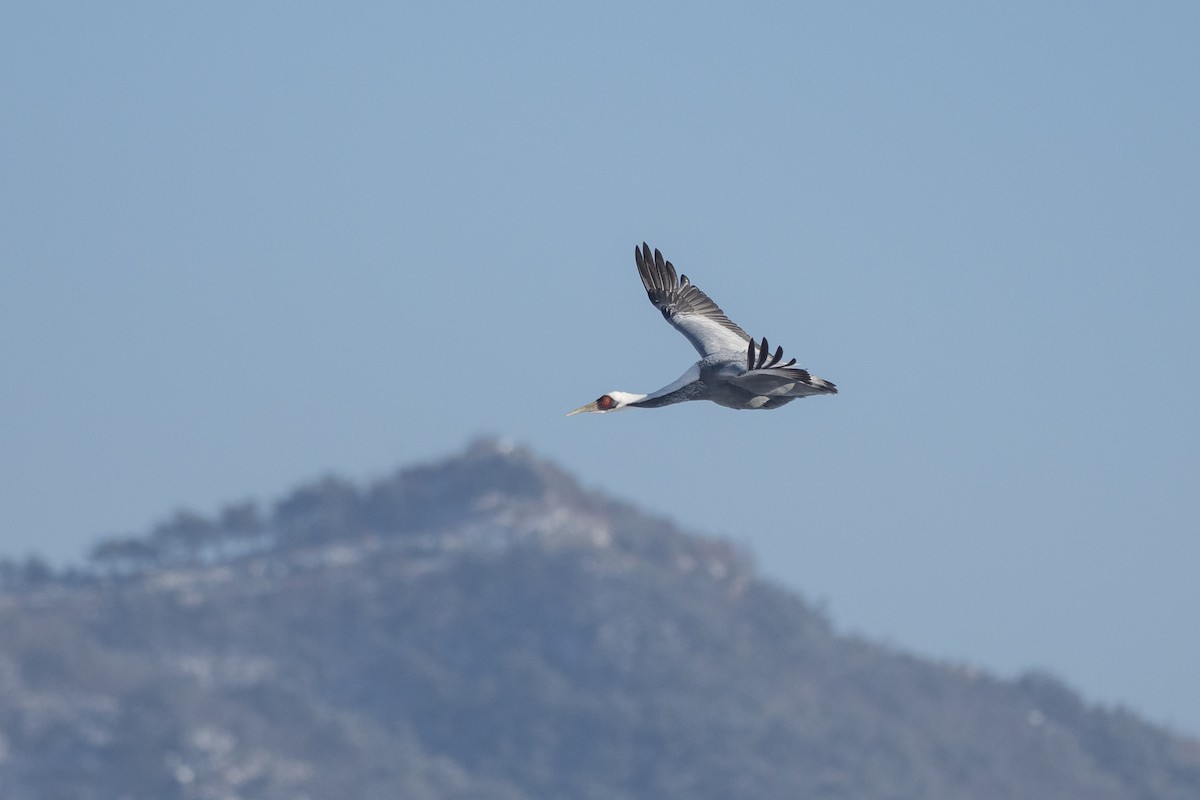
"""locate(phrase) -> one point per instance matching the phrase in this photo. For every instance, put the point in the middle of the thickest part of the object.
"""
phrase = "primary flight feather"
(733, 370)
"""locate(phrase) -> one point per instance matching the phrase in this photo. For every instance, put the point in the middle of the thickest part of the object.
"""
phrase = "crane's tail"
(821, 385)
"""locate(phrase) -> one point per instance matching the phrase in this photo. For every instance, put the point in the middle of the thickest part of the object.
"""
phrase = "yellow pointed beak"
(592, 406)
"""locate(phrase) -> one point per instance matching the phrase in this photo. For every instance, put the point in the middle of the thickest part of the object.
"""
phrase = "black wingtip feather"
(645, 264)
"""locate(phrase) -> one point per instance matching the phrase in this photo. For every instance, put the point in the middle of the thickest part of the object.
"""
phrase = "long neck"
(687, 387)
(660, 400)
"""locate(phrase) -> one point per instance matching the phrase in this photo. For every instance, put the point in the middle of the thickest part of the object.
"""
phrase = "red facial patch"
(606, 403)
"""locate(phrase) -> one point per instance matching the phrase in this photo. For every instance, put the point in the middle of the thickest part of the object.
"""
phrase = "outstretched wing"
(765, 376)
(687, 308)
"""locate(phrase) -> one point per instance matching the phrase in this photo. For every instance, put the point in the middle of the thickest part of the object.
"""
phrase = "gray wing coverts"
(762, 374)
(676, 297)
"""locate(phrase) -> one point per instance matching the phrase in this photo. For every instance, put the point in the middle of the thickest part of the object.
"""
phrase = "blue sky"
(246, 246)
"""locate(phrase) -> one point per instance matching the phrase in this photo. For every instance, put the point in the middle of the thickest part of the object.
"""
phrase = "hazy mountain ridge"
(484, 627)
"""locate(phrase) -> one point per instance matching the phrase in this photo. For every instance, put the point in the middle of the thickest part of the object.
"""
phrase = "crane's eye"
(606, 403)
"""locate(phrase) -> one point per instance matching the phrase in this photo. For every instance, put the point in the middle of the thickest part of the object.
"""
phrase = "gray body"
(714, 383)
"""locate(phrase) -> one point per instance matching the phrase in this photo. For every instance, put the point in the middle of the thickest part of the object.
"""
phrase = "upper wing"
(687, 308)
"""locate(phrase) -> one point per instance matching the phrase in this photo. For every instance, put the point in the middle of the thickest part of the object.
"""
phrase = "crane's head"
(613, 401)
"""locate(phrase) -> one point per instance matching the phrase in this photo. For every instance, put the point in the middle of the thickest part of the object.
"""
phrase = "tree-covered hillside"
(486, 628)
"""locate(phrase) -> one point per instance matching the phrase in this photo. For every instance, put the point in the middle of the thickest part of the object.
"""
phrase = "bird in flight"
(733, 371)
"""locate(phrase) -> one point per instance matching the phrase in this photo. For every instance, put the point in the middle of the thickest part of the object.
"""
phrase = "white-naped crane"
(733, 371)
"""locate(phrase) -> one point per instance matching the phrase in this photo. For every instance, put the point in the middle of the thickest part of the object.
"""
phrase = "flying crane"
(733, 371)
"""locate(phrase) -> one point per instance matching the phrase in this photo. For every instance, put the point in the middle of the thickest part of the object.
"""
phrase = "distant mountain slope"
(485, 628)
